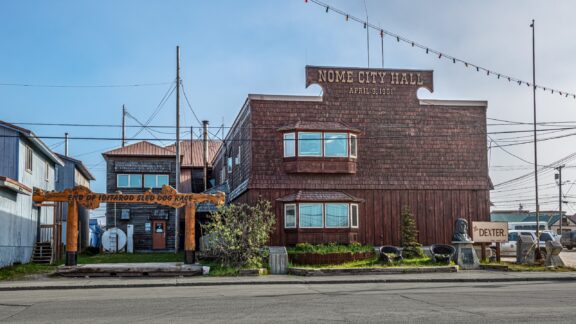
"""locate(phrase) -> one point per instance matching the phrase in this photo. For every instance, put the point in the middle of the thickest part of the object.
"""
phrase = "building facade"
(25, 163)
(340, 167)
(73, 173)
(143, 166)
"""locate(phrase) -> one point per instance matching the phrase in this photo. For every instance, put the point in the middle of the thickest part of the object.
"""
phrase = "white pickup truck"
(509, 248)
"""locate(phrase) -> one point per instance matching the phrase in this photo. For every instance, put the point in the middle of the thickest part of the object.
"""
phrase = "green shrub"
(239, 233)
(329, 248)
(411, 248)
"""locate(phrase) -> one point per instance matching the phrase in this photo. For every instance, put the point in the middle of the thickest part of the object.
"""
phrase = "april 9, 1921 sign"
(486, 232)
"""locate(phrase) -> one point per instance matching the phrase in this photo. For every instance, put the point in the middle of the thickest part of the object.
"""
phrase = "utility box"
(553, 249)
(525, 250)
(130, 241)
(278, 260)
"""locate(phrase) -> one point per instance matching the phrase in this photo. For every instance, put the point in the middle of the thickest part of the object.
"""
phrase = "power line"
(31, 85)
(190, 106)
(441, 55)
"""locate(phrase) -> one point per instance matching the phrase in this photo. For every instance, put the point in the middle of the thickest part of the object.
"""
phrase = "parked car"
(509, 248)
(568, 239)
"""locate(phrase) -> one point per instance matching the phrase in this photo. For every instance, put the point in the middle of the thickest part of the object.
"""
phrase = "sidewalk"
(461, 276)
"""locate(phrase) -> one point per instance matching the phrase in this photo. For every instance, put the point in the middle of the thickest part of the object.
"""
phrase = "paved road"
(538, 302)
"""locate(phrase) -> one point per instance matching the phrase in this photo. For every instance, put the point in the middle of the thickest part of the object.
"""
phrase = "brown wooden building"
(340, 167)
(141, 166)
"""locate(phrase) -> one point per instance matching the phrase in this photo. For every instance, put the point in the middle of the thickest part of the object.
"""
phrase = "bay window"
(311, 215)
(337, 215)
(353, 145)
(336, 144)
(289, 144)
(309, 144)
(290, 216)
(354, 215)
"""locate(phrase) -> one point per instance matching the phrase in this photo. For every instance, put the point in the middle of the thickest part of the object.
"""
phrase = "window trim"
(293, 153)
(46, 171)
(295, 215)
(300, 218)
(352, 207)
(355, 155)
(321, 144)
(326, 214)
(28, 159)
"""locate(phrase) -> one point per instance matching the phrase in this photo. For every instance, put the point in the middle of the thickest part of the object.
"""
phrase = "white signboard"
(486, 232)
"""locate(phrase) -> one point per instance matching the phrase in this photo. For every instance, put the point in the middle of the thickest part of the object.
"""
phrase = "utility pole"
(65, 144)
(123, 125)
(177, 185)
(558, 177)
(205, 152)
(538, 254)
(367, 34)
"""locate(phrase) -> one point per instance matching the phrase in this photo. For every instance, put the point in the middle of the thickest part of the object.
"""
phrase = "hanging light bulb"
(381, 33)
(398, 38)
(327, 8)
(440, 55)
(426, 51)
(453, 60)
(364, 25)
(346, 17)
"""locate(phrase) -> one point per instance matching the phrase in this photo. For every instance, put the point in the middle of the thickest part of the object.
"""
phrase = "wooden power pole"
(177, 184)
(123, 125)
(205, 152)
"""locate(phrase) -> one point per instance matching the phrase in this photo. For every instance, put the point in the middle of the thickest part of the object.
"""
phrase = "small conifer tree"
(410, 246)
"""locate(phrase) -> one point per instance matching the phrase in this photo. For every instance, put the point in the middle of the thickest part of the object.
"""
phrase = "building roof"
(318, 126)
(549, 217)
(196, 148)
(319, 196)
(145, 148)
(39, 144)
(80, 165)
(142, 148)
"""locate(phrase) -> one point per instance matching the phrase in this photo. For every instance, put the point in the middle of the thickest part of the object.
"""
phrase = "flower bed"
(328, 258)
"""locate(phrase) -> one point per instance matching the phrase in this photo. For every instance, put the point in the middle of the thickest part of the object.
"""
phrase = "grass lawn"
(130, 257)
(375, 263)
(21, 270)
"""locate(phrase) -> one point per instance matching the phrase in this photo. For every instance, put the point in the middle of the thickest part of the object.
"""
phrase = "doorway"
(159, 234)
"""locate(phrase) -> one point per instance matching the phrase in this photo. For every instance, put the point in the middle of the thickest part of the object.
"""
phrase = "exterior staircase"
(42, 253)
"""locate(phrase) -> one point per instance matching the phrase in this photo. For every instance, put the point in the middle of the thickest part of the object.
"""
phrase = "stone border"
(311, 258)
(368, 271)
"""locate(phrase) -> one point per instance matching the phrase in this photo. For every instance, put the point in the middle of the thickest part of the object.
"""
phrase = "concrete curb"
(284, 282)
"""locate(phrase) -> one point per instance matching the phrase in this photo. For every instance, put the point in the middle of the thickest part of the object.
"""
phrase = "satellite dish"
(109, 240)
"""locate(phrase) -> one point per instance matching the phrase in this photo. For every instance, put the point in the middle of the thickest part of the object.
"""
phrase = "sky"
(230, 49)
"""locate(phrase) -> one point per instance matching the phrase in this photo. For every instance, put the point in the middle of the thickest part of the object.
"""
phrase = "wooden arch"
(167, 196)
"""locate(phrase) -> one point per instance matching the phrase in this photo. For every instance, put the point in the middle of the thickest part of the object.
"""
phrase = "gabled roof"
(196, 148)
(319, 196)
(142, 148)
(81, 167)
(36, 142)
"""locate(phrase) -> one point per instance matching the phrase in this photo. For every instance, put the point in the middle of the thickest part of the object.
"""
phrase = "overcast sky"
(232, 48)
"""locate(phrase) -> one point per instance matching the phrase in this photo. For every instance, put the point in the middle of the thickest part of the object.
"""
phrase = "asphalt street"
(534, 302)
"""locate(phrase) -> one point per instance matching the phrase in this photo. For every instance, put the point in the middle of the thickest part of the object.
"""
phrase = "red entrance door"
(158, 235)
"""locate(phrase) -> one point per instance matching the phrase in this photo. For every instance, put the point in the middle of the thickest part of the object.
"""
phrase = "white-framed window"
(354, 215)
(129, 181)
(309, 144)
(155, 180)
(289, 144)
(353, 145)
(28, 158)
(229, 164)
(336, 144)
(311, 215)
(337, 215)
(290, 216)
(46, 171)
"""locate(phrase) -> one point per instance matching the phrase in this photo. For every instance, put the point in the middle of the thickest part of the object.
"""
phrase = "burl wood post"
(72, 234)
(190, 236)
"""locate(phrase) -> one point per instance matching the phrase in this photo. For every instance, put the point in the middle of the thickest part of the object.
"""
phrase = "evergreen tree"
(410, 246)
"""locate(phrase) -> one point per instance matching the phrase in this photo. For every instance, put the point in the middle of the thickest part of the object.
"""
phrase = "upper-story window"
(129, 180)
(46, 171)
(155, 180)
(28, 158)
(320, 144)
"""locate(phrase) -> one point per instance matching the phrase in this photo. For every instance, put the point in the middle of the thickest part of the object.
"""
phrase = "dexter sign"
(485, 232)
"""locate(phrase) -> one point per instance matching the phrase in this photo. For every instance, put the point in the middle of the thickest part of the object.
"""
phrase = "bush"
(410, 246)
(239, 233)
(329, 248)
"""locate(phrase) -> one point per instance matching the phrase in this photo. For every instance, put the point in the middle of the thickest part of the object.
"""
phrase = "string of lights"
(31, 85)
(441, 55)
